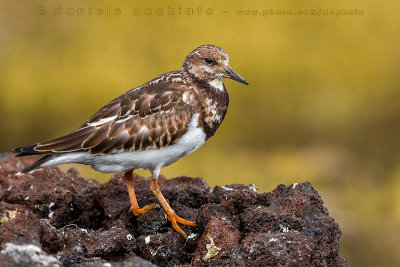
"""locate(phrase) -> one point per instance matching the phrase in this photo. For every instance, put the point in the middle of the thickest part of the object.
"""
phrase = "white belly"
(153, 158)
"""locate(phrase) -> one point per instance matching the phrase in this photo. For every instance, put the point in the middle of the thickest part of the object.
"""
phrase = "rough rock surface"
(53, 218)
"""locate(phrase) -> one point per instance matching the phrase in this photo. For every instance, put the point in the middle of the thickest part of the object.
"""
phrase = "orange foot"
(138, 211)
(171, 215)
(134, 204)
(175, 219)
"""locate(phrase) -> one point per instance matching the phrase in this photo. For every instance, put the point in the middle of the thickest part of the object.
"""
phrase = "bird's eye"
(209, 60)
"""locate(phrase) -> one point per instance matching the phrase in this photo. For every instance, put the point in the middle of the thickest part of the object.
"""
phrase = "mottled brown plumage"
(152, 116)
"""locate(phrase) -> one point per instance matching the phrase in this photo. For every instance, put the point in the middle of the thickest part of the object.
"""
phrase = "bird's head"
(210, 64)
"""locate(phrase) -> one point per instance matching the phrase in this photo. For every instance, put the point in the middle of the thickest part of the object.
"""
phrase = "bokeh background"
(322, 105)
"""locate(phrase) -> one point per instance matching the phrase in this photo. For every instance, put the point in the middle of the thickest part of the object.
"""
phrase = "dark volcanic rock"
(53, 218)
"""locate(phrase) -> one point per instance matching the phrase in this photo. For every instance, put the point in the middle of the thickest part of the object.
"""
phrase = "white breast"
(153, 159)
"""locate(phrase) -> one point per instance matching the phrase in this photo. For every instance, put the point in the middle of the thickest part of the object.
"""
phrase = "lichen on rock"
(212, 249)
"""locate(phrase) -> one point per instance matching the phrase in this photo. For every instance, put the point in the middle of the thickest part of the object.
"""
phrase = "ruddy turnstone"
(150, 126)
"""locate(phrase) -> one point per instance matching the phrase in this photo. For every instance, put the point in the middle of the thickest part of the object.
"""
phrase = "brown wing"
(154, 115)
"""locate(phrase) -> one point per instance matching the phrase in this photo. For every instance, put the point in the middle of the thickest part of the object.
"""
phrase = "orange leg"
(131, 190)
(172, 217)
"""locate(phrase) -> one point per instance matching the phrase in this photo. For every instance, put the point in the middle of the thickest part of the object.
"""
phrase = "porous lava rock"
(54, 218)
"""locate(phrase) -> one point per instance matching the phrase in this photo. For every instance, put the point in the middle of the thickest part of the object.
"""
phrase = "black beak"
(234, 76)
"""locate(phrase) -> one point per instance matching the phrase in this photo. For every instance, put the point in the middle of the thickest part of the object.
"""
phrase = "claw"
(145, 209)
(175, 219)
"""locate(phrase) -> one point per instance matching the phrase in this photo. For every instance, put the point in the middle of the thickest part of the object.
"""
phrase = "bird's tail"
(29, 151)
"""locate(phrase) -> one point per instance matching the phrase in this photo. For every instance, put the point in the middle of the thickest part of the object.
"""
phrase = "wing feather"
(151, 116)
(70, 142)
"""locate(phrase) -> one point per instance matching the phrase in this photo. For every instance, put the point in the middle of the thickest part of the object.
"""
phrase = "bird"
(149, 127)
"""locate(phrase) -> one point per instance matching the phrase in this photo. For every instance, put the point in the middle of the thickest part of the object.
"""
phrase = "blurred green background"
(322, 105)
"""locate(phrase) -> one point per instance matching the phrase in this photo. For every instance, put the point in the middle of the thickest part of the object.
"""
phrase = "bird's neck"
(213, 104)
